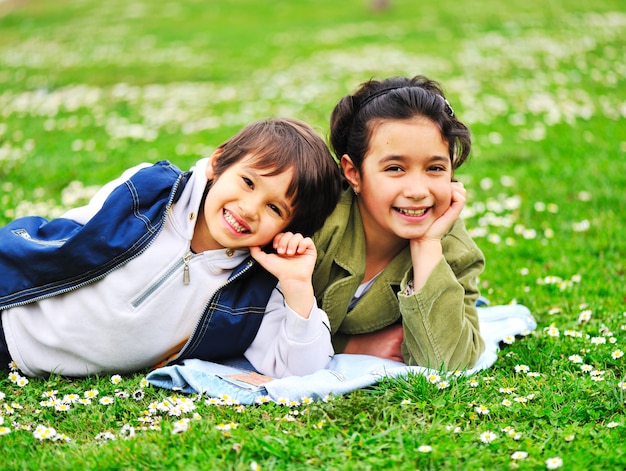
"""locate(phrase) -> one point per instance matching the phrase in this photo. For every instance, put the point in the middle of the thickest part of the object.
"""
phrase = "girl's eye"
(437, 168)
(276, 209)
(248, 182)
(394, 168)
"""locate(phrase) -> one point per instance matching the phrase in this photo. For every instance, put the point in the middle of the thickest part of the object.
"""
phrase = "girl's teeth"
(233, 222)
(412, 212)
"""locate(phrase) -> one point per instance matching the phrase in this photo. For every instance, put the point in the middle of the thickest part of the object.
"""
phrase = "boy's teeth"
(412, 212)
(233, 222)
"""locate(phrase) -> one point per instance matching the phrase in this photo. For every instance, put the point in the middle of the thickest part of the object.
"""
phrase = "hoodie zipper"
(184, 262)
(206, 307)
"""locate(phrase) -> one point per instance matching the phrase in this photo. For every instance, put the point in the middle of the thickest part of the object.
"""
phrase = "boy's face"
(245, 207)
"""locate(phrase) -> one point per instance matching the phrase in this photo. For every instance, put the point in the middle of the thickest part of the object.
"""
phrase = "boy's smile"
(244, 207)
(237, 226)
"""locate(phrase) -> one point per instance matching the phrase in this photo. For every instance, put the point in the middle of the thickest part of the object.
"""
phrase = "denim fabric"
(344, 374)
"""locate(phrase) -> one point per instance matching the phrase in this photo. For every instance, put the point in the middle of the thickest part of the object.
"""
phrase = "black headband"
(384, 91)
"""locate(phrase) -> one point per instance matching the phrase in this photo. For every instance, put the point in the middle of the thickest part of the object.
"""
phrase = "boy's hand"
(293, 265)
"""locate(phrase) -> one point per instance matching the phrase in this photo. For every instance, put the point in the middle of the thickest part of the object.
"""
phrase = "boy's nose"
(247, 209)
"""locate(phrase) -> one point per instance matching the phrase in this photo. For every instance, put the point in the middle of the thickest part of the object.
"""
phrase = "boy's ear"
(212, 161)
(351, 173)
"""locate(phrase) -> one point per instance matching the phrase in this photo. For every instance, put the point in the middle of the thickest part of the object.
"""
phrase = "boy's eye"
(394, 168)
(276, 209)
(437, 168)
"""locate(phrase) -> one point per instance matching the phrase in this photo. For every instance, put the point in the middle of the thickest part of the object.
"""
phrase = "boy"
(163, 265)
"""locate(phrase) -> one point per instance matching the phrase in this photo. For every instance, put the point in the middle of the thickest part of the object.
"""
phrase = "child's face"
(245, 207)
(405, 180)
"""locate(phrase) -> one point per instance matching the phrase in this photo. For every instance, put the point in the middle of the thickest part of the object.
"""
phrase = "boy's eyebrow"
(286, 206)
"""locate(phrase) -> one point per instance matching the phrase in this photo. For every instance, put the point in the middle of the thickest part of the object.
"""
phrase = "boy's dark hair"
(281, 144)
(356, 116)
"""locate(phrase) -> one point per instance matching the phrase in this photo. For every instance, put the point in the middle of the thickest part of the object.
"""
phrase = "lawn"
(88, 89)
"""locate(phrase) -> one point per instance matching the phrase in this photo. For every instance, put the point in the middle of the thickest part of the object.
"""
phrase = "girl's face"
(405, 181)
(245, 207)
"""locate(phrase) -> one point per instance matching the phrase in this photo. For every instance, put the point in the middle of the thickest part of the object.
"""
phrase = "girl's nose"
(415, 189)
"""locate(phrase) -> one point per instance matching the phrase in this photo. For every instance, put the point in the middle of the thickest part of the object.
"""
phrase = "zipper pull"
(186, 259)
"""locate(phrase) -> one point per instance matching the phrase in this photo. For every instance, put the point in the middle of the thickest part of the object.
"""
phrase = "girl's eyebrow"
(401, 158)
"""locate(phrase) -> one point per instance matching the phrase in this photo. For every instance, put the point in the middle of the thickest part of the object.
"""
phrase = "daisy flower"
(180, 426)
(425, 448)
(509, 339)
(554, 463)
(44, 433)
(584, 316)
(433, 378)
(488, 437)
(519, 455)
(575, 358)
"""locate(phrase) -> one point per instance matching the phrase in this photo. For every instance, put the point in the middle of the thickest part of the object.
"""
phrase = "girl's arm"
(440, 319)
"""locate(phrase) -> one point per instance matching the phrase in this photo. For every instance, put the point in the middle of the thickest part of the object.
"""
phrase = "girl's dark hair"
(355, 117)
(278, 145)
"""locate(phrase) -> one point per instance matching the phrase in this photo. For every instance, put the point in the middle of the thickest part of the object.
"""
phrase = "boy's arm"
(83, 214)
(294, 337)
(287, 344)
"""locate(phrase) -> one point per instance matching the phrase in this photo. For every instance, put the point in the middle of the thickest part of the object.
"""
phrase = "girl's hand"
(426, 252)
(443, 224)
(293, 265)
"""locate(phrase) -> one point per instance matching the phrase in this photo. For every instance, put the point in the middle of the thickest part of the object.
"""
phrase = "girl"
(160, 265)
(397, 271)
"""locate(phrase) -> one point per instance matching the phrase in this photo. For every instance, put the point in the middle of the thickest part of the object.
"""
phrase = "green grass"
(90, 88)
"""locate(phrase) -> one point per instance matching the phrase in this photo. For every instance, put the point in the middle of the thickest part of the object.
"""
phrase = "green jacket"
(440, 320)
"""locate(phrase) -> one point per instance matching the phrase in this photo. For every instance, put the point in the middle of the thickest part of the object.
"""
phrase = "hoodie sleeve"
(82, 214)
(289, 345)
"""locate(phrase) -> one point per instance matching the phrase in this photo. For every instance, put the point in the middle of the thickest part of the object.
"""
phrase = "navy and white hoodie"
(113, 287)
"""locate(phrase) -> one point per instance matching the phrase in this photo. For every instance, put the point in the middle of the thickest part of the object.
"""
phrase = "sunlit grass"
(88, 89)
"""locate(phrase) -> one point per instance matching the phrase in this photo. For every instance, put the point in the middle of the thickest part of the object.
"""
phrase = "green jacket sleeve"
(440, 320)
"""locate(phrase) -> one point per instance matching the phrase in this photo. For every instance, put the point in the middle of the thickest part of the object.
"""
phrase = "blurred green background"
(89, 88)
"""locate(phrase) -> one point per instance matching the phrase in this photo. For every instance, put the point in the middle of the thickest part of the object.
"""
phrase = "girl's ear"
(212, 162)
(351, 173)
